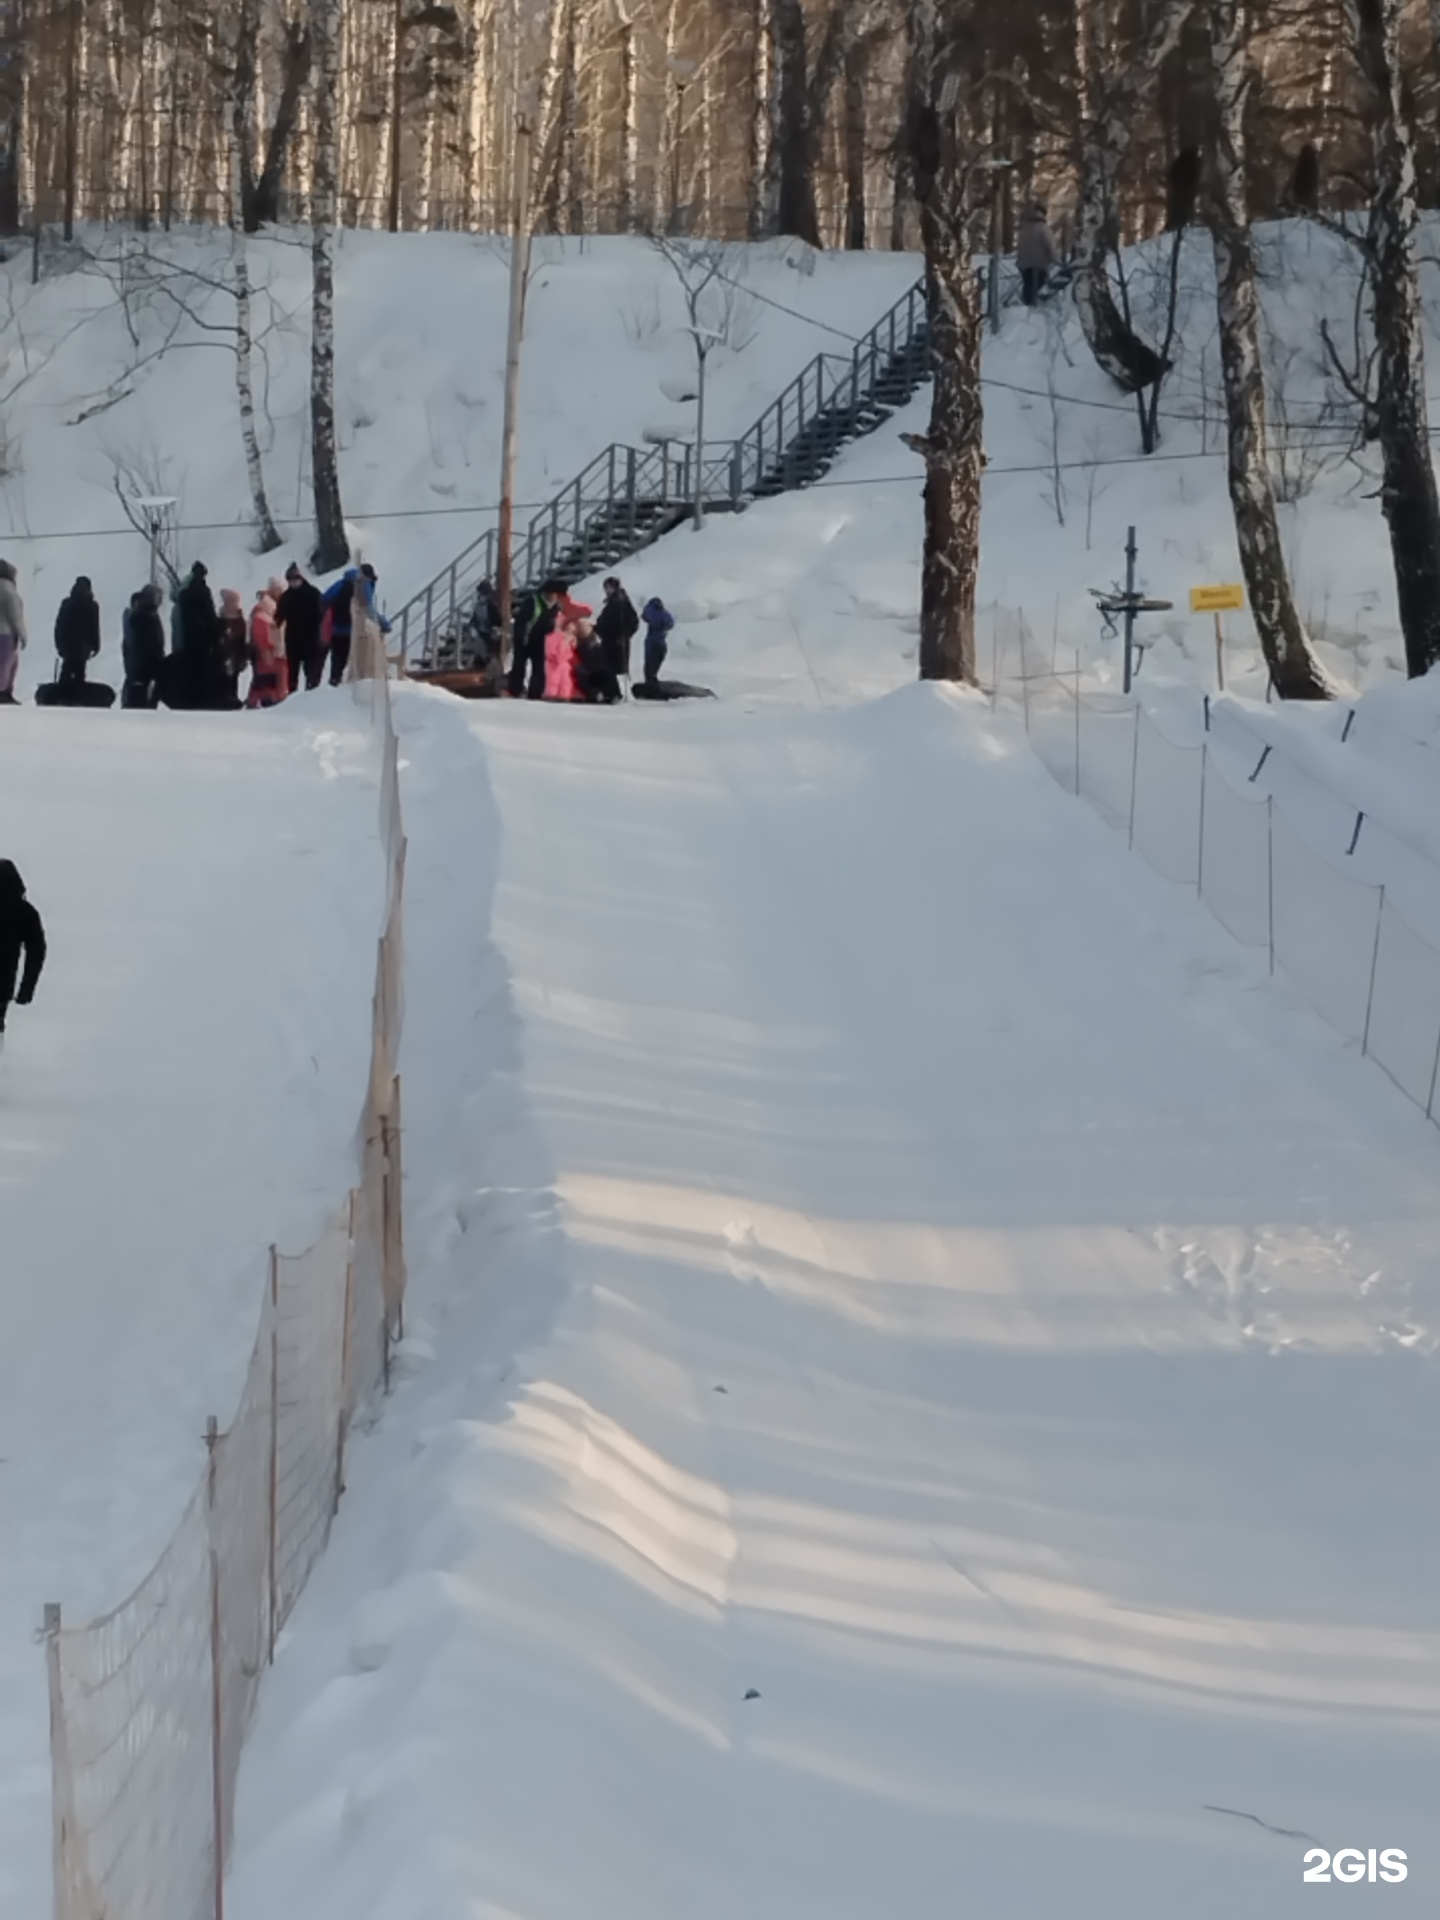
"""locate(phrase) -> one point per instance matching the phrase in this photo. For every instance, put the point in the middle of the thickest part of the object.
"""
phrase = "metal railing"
(630, 496)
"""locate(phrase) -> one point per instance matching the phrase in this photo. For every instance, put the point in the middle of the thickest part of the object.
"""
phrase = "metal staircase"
(629, 497)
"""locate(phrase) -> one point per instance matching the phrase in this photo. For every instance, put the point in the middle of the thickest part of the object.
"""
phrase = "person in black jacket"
(77, 635)
(20, 934)
(301, 611)
(617, 625)
(142, 649)
(197, 639)
(534, 623)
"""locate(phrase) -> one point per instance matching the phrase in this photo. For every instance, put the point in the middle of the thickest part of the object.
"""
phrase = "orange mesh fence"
(150, 1705)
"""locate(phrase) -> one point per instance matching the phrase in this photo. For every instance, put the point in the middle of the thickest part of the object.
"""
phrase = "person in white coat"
(12, 632)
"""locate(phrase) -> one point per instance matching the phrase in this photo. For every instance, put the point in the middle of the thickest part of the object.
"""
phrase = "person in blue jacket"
(339, 603)
(658, 622)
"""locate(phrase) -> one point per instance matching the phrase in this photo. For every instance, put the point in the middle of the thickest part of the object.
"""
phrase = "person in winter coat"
(658, 622)
(21, 935)
(267, 651)
(572, 618)
(300, 610)
(142, 649)
(197, 639)
(595, 678)
(77, 634)
(616, 627)
(12, 632)
(534, 623)
(1035, 254)
(340, 603)
(480, 637)
(232, 654)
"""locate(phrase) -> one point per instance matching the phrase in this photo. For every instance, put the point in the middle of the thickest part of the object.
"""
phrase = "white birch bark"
(332, 547)
(1294, 671)
(630, 121)
(1408, 492)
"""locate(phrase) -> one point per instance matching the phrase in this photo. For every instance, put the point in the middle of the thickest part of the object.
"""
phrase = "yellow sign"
(1216, 599)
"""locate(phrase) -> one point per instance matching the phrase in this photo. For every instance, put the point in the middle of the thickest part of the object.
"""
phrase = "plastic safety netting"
(150, 1705)
(1202, 820)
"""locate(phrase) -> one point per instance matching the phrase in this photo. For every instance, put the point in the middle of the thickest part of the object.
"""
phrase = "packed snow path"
(969, 1445)
(183, 1092)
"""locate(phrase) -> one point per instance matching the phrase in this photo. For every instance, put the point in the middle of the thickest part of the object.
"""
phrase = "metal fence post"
(1270, 869)
(1374, 968)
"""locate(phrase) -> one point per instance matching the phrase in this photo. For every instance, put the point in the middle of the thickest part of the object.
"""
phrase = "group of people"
(565, 650)
(286, 640)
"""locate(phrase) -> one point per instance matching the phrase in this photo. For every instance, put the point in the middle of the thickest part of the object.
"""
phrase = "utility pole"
(519, 273)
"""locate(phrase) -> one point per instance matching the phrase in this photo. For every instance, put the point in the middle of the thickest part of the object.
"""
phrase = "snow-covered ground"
(93, 388)
(183, 1092)
(890, 1256)
(881, 1249)
(86, 393)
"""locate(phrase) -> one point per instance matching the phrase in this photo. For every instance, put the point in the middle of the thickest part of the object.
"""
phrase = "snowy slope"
(89, 384)
(889, 1256)
(183, 1092)
(420, 363)
(1069, 1285)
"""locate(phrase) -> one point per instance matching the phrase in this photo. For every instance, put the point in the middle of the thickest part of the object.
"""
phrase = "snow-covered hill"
(933, 1394)
(93, 386)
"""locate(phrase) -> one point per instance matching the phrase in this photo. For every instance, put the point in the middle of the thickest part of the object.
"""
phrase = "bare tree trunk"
(857, 80)
(1294, 671)
(72, 111)
(764, 141)
(266, 536)
(397, 116)
(1113, 86)
(242, 114)
(1408, 492)
(332, 548)
(798, 214)
(629, 124)
(953, 449)
(265, 198)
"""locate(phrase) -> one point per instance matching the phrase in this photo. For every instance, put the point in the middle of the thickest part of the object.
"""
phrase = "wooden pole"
(519, 273)
(274, 1546)
(217, 1740)
(59, 1766)
(1219, 653)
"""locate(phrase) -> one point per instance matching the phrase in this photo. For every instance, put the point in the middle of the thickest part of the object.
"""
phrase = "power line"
(537, 506)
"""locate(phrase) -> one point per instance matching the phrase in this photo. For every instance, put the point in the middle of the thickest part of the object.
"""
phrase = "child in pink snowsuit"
(269, 678)
(560, 681)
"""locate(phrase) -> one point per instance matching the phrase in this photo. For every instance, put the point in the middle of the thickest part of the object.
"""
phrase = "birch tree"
(332, 547)
(1408, 492)
(941, 161)
(1294, 671)
(1114, 83)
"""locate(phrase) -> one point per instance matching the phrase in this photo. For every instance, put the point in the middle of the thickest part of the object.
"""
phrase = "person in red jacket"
(269, 674)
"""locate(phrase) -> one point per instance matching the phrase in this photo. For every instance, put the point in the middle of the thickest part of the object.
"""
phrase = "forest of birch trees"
(734, 118)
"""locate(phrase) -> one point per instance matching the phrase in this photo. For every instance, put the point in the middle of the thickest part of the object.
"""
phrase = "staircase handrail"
(620, 476)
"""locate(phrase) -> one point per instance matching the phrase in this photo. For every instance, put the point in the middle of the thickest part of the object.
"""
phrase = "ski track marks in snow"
(870, 1460)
